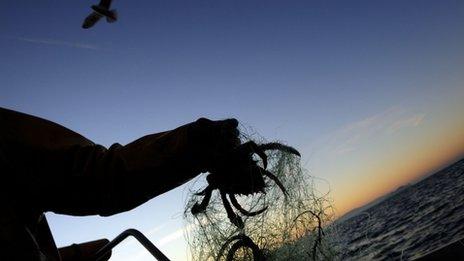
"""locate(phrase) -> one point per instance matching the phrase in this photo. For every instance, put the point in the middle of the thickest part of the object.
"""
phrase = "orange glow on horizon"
(405, 166)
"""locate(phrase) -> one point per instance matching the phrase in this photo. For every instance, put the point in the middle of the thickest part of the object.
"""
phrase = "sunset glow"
(371, 93)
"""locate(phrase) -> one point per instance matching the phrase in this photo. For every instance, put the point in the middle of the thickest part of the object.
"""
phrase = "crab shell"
(243, 182)
(238, 174)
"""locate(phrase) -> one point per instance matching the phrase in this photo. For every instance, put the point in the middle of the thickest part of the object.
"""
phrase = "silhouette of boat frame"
(149, 246)
(241, 241)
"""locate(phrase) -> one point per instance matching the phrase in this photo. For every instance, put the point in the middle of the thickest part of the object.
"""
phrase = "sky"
(370, 92)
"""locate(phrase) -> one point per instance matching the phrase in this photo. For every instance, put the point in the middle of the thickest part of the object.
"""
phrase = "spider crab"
(237, 173)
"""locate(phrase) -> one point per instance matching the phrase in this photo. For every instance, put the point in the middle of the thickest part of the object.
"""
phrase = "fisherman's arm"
(109, 181)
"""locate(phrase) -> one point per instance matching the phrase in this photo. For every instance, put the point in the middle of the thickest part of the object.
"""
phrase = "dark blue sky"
(227, 55)
(336, 79)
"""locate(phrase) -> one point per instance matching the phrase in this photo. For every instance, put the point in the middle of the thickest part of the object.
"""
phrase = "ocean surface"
(413, 221)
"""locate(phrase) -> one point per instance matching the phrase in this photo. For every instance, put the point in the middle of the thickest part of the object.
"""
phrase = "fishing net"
(292, 228)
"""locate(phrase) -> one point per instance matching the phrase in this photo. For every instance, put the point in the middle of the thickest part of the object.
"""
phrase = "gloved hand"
(214, 139)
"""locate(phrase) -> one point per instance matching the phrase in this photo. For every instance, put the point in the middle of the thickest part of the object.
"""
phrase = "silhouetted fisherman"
(47, 167)
(99, 11)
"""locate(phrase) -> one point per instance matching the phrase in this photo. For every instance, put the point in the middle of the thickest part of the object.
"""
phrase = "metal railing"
(156, 253)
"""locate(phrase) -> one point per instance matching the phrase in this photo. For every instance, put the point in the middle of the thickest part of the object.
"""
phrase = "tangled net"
(292, 228)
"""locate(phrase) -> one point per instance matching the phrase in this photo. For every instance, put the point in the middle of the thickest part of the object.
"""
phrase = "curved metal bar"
(137, 235)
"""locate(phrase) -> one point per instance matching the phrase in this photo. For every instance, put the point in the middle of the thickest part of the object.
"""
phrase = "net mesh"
(291, 228)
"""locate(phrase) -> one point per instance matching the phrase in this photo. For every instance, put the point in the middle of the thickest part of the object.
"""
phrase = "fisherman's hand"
(193, 147)
(214, 140)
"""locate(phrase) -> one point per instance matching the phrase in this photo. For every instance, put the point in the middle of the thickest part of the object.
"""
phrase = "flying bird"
(99, 11)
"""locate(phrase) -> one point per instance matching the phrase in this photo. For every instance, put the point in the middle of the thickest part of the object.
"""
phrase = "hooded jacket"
(47, 167)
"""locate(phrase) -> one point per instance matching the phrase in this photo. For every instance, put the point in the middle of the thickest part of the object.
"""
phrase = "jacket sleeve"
(96, 180)
(109, 181)
(58, 170)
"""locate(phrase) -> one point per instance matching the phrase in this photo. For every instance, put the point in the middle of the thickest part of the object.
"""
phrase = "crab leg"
(203, 192)
(245, 243)
(197, 208)
(236, 220)
(278, 146)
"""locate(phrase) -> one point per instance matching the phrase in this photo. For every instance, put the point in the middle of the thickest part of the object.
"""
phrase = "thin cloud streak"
(413, 121)
(175, 235)
(57, 43)
(390, 121)
(348, 138)
(149, 233)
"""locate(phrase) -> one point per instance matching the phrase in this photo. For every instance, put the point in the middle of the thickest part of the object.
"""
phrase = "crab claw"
(251, 147)
(276, 180)
(235, 203)
(279, 146)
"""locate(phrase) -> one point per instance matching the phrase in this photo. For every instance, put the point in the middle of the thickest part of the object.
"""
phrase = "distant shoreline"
(359, 210)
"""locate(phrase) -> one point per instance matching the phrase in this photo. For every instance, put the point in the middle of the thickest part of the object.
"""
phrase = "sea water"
(417, 220)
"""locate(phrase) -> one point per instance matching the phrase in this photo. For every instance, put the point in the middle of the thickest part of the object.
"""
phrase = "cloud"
(154, 230)
(57, 43)
(349, 137)
(174, 235)
(413, 121)
(149, 233)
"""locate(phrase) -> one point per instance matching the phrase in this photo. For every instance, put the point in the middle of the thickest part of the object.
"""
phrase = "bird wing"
(105, 4)
(91, 20)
